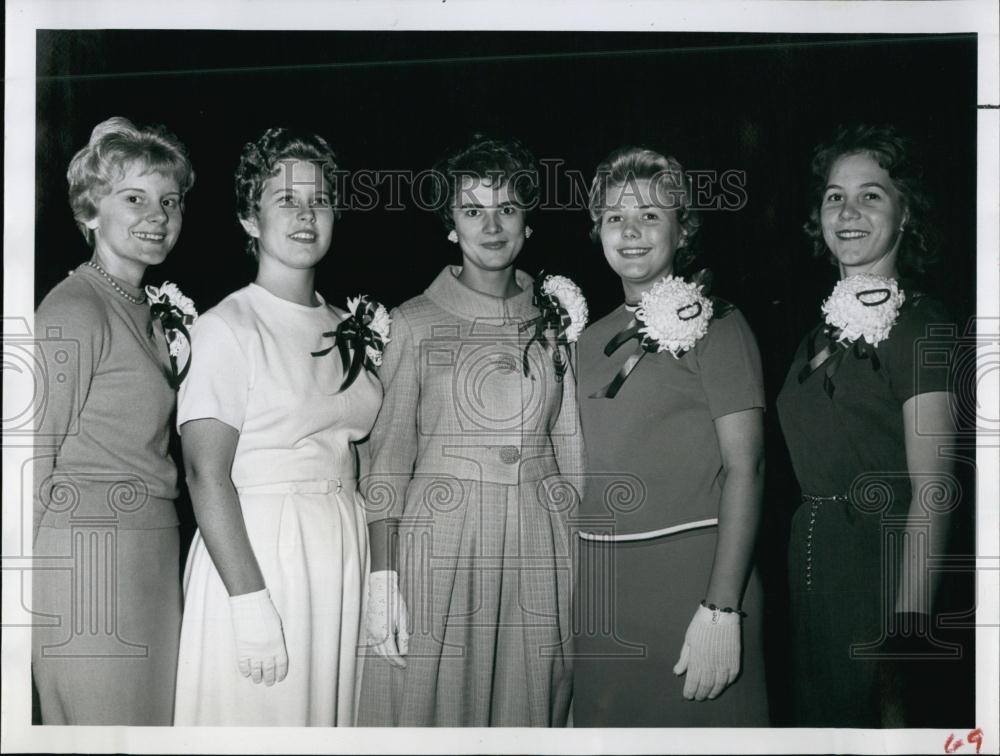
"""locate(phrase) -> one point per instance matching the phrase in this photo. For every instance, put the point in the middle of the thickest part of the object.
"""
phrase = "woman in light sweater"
(105, 648)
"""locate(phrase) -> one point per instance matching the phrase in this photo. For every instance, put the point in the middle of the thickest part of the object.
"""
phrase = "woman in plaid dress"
(469, 594)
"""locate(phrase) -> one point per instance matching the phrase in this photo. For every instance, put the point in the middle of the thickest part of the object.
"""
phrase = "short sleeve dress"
(849, 456)
(295, 472)
(653, 465)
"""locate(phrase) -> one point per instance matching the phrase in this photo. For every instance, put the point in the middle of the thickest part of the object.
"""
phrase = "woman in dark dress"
(865, 417)
(674, 472)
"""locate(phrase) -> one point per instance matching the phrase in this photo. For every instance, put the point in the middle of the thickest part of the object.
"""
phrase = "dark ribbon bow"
(173, 319)
(553, 315)
(354, 334)
(646, 344)
(833, 353)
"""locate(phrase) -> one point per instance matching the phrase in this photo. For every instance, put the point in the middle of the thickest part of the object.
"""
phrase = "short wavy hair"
(500, 161)
(261, 160)
(115, 144)
(633, 163)
(896, 154)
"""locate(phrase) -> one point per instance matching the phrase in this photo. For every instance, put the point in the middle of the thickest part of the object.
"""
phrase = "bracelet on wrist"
(723, 609)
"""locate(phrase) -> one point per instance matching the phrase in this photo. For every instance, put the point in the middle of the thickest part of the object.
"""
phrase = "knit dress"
(106, 590)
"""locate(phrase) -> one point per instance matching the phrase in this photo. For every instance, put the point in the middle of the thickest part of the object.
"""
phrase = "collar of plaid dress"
(860, 314)
(688, 306)
(549, 293)
(175, 312)
(359, 338)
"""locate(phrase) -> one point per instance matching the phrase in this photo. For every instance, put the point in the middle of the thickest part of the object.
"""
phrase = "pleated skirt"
(485, 571)
(311, 543)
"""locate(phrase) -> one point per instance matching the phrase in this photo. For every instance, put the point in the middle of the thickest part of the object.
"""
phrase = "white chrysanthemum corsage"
(570, 299)
(673, 314)
(864, 306)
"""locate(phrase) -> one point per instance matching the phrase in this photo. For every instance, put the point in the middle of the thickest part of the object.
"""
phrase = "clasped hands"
(710, 656)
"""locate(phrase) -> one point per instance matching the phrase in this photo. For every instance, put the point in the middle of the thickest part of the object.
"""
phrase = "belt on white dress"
(645, 535)
(332, 485)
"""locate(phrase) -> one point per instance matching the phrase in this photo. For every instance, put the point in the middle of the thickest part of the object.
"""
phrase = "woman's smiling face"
(861, 215)
(640, 234)
(294, 221)
(137, 222)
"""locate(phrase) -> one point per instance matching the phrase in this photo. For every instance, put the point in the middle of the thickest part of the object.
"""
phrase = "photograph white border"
(24, 17)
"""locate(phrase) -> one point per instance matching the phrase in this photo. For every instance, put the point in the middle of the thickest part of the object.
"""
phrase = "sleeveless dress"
(295, 472)
(849, 456)
(653, 463)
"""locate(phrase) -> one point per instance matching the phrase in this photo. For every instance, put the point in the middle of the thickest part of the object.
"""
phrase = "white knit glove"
(260, 642)
(711, 653)
(387, 619)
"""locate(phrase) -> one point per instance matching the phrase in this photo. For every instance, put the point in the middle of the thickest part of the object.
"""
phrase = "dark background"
(396, 100)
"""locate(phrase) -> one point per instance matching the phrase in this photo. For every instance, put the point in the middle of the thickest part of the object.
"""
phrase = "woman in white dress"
(276, 573)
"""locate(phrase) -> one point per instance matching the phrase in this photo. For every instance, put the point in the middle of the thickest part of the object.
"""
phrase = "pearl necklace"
(114, 284)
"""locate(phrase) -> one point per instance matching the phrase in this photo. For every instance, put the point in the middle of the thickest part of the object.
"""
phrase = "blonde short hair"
(114, 145)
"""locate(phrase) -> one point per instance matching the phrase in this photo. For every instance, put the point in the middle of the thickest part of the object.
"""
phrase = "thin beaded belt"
(815, 502)
(810, 499)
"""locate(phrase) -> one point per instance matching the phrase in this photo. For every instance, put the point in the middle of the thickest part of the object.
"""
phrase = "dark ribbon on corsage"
(354, 334)
(175, 321)
(553, 315)
(646, 344)
(833, 353)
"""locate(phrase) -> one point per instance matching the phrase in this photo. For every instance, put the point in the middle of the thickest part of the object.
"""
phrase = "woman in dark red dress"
(667, 616)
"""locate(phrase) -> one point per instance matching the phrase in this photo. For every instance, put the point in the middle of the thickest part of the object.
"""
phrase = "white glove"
(711, 653)
(260, 642)
(387, 619)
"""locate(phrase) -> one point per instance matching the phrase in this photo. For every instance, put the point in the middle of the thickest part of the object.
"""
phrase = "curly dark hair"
(500, 161)
(260, 160)
(895, 153)
(631, 163)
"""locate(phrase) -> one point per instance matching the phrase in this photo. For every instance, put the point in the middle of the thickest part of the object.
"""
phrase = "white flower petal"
(658, 312)
(571, 300)
(844, 309)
